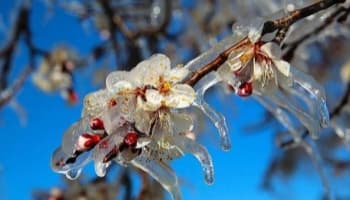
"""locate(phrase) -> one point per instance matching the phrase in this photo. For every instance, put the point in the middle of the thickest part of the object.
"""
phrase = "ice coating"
(140, 119)
(198, 151)
(281, 115)
(217, 119)
(160, 172)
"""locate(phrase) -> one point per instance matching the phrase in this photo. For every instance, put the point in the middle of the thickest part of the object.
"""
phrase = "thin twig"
(6, 95)
(215, 63)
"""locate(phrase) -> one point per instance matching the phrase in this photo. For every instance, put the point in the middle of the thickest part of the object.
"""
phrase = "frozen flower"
(127, 124)
(154, 83)
(55, 74)
(254, 67)
(90, 140)
(257, 66)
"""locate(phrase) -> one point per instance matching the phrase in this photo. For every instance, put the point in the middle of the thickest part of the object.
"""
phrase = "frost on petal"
(156, 66)
(176, 74)
(95, 103)
(121, 87)
(153, 100)
(161, 172)
(118, 81)
(159, 63)
(181, 96)
(198, 151)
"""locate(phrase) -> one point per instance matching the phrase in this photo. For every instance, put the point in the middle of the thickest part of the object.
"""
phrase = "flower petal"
(158, 64)
(118, 81)
(283, 67)
(153, 100)
(272, 50)
(176, 74)
(95, 102)
(181, 96)
(143, 120)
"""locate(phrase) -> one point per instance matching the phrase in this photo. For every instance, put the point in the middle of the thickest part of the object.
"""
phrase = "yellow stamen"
(164, 86)
(246, 56)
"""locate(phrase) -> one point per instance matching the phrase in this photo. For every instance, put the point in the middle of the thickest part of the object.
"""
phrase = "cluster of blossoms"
(55, 73)
(142, 117)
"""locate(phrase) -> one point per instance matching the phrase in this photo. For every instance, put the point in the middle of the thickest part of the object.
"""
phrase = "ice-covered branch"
(296, 15)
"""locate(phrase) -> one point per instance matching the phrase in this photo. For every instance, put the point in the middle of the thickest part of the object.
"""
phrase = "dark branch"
(282, 24)
(296, 15)
(214, 64)
(21, 29)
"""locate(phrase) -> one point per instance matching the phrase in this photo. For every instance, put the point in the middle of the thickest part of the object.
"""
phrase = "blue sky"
(25, 150)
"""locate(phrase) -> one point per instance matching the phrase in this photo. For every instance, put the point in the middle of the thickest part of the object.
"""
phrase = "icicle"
(218, 120)
(201, 153)
(105, 147)
(69, 165)
(160, 172)
(315, 91)
(281, 115)
(313, 152)
(101, 168)
(74, 173)
(307, 120)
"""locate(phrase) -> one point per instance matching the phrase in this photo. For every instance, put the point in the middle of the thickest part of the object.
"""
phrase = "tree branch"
(282, 24)
(296, 15)
(21, 28)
